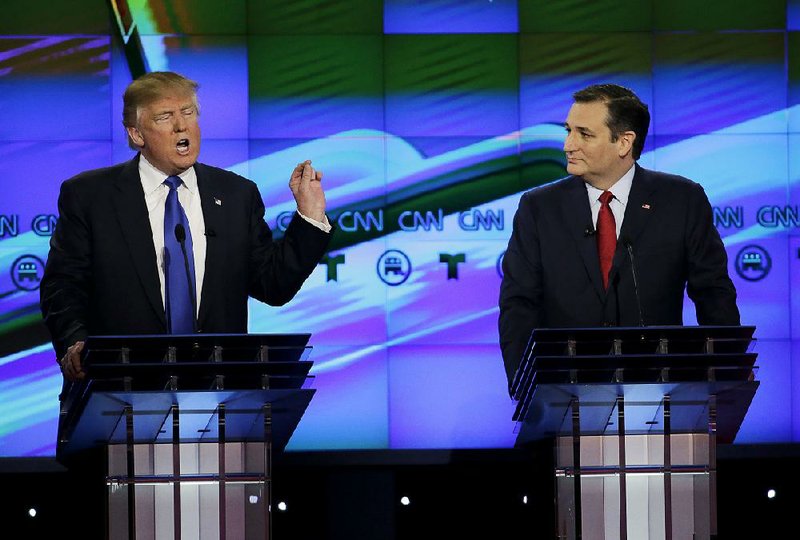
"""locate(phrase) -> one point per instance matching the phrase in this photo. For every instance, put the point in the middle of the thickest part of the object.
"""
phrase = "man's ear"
(625, 140)
(135, 136)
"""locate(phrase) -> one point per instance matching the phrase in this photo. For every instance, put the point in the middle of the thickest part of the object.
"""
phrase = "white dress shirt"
(155, 196)
(621, 189)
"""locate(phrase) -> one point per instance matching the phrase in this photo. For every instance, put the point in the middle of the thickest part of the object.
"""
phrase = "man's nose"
(180, 123)
(569, 143)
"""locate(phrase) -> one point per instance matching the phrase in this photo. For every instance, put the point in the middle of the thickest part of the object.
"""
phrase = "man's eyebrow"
(579, 128)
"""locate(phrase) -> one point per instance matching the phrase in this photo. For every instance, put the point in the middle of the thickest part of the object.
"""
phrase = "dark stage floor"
(451, 494)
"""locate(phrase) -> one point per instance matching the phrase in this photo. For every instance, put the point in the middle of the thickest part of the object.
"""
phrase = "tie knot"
(173, 182)
(606, 197)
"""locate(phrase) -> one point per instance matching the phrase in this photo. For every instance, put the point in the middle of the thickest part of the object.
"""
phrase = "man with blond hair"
(117, 265)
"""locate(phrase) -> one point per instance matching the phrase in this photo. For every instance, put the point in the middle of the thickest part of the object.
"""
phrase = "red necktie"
(606, 236)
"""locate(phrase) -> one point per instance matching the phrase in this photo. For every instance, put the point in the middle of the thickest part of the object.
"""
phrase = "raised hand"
(306, 186)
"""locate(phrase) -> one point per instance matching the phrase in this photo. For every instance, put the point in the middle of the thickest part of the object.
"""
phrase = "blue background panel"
(45, 80)
(350, 407)
(794, 287)
(553, 66)
(30, 384)
(448, 397)
(451, 85)
(443, 110)
(769, 419)
(38, 168)
(450, 16)
(705, 82)
(302, 88)
(433, 308)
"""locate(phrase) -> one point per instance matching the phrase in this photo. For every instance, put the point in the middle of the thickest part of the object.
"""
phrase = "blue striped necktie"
(179, 288)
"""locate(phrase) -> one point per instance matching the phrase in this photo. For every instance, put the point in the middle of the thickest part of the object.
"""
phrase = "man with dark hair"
(626, 112)
(568, 263)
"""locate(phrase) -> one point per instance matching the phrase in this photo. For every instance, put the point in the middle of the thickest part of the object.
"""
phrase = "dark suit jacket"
(551, 271)
(101, 276)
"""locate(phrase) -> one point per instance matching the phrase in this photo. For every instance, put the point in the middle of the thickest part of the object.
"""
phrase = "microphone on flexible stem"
(180, 236)
(629, 246)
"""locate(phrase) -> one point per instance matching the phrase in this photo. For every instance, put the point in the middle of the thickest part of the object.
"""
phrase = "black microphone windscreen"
(180, 233)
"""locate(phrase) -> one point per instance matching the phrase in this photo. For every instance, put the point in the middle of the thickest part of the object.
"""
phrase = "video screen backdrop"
(429, 120)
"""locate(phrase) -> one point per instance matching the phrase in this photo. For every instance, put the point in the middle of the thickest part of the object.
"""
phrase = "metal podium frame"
(189, 424)
(639, 408)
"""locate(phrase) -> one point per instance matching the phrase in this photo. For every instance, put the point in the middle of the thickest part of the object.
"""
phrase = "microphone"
(180, 236)
(589, 231)
(629, 247)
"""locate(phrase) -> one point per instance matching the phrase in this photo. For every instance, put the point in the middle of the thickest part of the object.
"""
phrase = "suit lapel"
(131, 211)
(637, 214)
(211, 199)
(577, 216)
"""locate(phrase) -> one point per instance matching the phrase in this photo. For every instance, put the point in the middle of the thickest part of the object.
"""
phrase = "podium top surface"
(147, 376)
(138, 349)
(658, 342)
(162, 341)
(643, 332)
(642, 366)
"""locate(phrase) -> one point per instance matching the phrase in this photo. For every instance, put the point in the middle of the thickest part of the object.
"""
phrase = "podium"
(188, 425)
(635, 415)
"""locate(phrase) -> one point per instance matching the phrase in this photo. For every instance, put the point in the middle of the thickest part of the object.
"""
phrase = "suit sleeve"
(64, 290)
(521, 288)
(708, 283)
(278, 268)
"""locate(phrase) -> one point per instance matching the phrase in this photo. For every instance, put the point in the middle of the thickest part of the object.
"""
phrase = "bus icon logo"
(26, 272)
(753, 263)
(394, 267)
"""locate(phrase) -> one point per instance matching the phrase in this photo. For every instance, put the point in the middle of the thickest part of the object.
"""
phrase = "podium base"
(188, 490)
(631, 487)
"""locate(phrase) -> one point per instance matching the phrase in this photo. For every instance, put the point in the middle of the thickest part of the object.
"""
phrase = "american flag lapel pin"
(218, 202)
(646, 206)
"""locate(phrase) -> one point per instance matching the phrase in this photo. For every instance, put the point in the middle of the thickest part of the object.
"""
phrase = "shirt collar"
(621, 188)
(152, 178)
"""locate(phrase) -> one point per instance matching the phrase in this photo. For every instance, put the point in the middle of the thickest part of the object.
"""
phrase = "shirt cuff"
(324, 226)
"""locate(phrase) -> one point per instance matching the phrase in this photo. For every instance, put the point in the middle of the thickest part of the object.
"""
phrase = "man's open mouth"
(183, 146)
